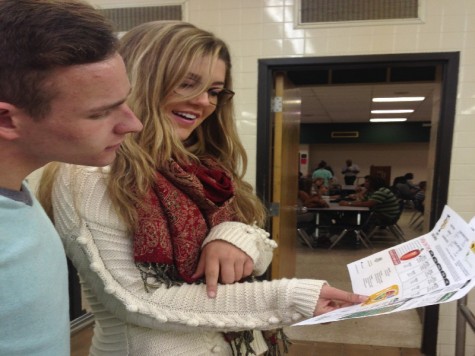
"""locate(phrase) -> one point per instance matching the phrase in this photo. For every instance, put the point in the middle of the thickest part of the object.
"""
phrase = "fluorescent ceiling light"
(398, 99)
(392, 111)
(395, 119)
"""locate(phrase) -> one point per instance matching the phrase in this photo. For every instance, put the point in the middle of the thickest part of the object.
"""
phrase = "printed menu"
(435, 268)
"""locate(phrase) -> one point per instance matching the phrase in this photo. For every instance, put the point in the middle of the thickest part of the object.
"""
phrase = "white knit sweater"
(167, 321)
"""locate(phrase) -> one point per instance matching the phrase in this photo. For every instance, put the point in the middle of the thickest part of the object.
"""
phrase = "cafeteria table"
(334, 207)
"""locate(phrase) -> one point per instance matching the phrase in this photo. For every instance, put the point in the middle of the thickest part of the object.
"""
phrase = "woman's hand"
(333, 298)
(223, 262)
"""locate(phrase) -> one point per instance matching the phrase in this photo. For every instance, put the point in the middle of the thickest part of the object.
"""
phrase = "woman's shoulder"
(84, 170)
(79, 180)
(85, 191)
(72, 173)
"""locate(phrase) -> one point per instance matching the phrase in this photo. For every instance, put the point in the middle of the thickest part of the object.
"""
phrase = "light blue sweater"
(34, 311)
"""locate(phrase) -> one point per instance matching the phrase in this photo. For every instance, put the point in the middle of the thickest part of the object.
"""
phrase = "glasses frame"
(224, 95)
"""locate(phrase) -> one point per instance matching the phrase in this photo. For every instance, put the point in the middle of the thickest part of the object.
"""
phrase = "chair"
(392, 226)
(417, 218)
(305, 222)
(359, 234)
(304, 237)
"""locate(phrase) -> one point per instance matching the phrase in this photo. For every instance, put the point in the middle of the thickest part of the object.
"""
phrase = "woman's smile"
(189, 112)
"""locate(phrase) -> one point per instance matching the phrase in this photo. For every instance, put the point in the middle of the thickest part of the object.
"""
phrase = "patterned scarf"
(189, 201)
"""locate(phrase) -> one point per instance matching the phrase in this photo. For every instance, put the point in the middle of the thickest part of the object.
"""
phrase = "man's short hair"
(38, 36)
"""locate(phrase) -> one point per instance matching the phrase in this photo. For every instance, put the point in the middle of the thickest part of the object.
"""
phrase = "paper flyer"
(435, 268)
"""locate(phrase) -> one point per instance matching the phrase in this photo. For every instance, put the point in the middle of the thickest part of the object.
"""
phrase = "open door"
(442, 138)
(383, 172)
(286, 131)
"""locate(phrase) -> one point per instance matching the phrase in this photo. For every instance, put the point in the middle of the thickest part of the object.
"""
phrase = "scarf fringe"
(276, 339)
(277, 342)
(238, 339)
(155, 275)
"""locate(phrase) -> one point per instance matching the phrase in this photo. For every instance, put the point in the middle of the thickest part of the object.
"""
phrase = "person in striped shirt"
(382, 202)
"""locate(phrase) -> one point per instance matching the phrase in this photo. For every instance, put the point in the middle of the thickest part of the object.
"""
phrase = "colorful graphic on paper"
(383, 295)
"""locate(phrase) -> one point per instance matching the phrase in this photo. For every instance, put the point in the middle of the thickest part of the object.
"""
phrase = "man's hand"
(223, 262)
(333, 298)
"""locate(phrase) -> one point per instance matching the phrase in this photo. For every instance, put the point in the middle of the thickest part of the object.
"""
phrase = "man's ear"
(8, 126)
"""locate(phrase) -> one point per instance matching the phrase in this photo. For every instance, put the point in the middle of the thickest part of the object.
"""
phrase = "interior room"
(334, 127)
(338, 104)
(332, 132)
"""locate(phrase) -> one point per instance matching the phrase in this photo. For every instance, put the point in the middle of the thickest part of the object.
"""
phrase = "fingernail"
(212, 294)
(363, 298)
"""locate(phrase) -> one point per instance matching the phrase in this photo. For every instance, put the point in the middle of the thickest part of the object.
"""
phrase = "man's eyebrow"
(111, 106)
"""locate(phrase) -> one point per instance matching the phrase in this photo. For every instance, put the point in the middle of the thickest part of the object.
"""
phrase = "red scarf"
(186, 202)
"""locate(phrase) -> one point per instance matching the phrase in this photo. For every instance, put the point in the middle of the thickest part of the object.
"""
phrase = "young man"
(62, 98)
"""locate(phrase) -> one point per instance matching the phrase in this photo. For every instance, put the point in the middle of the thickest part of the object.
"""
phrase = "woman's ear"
(8, 127)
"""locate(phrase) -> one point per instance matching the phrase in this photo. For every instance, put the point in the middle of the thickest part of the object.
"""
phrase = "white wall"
(264, 29)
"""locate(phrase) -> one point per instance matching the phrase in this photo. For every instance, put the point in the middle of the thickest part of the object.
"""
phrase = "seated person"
(408, 177)
(311, 195)
(420, 197)
(306, 219)
(360, 194)
(381, 201)
(318, 187)
(404, 188)
(312, 201)
(335, 188)
(315, 198)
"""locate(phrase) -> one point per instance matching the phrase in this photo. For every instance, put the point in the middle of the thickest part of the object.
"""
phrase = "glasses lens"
(215, 96)
(186, 90)
(224, 96)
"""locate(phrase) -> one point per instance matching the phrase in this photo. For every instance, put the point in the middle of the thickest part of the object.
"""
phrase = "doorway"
(441, 140)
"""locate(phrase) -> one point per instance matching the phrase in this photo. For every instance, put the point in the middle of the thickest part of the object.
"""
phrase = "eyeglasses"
(216, 96)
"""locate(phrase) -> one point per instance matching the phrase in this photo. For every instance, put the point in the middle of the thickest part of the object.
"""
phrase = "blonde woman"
(152, 234)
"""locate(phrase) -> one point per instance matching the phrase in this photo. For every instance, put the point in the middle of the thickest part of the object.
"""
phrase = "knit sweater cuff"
(254, 241)
(306, 293)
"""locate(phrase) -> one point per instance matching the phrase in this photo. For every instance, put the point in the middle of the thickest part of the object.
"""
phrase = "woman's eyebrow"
(197, 78)
(193, 76)
(218, 83)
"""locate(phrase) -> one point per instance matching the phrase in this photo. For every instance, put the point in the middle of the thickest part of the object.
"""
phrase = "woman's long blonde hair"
(158, 56)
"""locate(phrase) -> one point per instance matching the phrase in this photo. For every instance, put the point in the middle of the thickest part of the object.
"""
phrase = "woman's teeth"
(185, 115)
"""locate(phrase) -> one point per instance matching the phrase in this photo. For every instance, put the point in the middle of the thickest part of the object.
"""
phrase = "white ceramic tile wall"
(264, 28)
